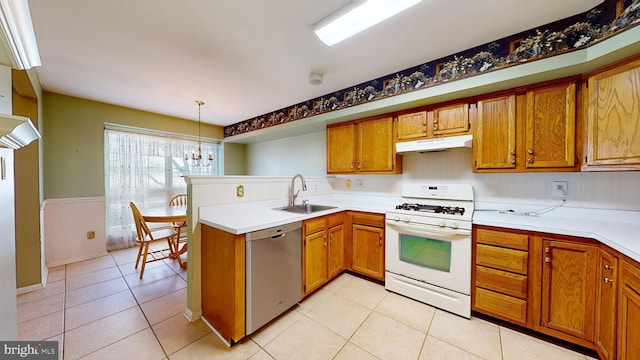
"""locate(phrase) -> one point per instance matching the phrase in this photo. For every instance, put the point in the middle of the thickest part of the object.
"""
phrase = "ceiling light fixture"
(357, 16)
(19, 39)
(196, 157)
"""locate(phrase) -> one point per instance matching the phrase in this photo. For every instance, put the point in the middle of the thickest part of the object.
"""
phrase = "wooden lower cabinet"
(323, 250)
(501, 274)
(223, 282)
(367, 237)
(629, 311)
(568, 290)
(606, 304)
(571, 288)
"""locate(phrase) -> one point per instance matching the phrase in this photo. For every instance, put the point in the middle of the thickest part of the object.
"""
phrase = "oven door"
(431, 254)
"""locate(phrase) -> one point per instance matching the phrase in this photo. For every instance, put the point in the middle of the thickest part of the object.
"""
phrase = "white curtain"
(146, 169)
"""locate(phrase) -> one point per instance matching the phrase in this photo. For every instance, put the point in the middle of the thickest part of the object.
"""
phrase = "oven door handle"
(426, 230)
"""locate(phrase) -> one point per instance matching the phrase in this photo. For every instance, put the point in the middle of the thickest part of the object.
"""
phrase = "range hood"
(437, 144)
(16, 131)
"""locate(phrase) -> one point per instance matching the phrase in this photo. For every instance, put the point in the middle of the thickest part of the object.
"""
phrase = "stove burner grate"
(450, 210)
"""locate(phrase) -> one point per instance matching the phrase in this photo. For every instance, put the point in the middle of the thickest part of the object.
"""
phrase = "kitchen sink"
(306, 209)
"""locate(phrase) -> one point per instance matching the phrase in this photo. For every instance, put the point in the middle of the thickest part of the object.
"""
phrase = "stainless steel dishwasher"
(273, 273)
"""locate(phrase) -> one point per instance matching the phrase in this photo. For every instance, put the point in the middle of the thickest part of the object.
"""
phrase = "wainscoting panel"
(66, 223)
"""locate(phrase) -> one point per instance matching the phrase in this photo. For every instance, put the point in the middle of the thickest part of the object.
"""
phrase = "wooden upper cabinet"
(411, 126)
(341, 148)
(550, 126)
(451, 119)
(375, 145)
(362, 146)
(613, 118)
(495, 139)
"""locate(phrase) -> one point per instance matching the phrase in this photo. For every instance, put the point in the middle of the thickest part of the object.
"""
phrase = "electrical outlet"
(560, 188)
(359, 183)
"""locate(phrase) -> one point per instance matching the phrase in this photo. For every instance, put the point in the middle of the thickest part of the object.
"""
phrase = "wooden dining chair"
(145, 237)
(179, 200)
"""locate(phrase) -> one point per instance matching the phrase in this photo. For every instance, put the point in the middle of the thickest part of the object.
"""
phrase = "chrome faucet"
(292, 196)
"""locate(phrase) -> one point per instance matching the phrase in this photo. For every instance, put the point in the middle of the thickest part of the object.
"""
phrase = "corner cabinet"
(606, 304)
(629, 311)
(531, 131)
(367, 236)
(362, 146)
(613, 118)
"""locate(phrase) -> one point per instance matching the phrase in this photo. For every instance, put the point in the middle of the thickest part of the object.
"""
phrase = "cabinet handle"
(608, 267)
(530, 151)
(547, 249)
(530, 160)
(513, 160)
(512, 152)
(359, 164)
(325, 240)
(331, 239)
(351, 164)
(3, 169)
(547, 259)
(380, 240)
(608, 280)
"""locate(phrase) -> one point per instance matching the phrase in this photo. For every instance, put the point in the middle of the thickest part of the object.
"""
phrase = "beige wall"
(73, 141)
(235, 159)
(27, 188)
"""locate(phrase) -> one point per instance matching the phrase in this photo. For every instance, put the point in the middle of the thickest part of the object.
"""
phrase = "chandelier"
(196, 157)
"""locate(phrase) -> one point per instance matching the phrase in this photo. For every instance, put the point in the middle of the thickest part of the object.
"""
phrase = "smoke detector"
(315, 78)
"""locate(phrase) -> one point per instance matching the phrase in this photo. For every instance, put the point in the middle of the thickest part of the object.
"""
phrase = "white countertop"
(617, 229)
(247, 217)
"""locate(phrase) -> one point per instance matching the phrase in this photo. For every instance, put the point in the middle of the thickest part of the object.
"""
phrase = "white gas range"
(428, 245)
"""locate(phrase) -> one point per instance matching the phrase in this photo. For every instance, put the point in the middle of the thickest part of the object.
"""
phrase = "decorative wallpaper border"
(573, 33)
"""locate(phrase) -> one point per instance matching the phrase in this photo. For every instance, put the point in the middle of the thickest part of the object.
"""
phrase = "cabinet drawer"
(502, 306)
(375, 220)
(502, 239)
(502, 259)
(335, 219)
(312, 226)
(501, 281)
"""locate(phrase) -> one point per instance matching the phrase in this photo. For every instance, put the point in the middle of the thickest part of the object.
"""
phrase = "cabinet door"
(568, 288)
(315, 261)
(550, 127)
(341, 148)
(375, 145)
(629, 316)
(411, 126)
(495, 138)
(336, 251)
(368, 251)
(451, 119)
(613, 116)
(606, 304)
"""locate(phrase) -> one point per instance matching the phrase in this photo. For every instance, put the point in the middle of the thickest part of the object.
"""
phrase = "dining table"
(167, 214)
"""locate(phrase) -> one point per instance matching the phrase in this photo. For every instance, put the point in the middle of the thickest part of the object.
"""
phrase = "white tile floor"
(100, 309)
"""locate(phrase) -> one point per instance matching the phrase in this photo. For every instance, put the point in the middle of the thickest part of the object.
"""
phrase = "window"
(145, 167)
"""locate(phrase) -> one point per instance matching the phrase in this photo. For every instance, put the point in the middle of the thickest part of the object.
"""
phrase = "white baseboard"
(72, 260)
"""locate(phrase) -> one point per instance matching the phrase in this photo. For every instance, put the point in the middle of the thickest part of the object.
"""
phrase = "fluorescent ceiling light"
(19, 38)
(357, 16)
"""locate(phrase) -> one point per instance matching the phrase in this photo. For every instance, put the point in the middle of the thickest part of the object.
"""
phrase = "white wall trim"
(76, 259)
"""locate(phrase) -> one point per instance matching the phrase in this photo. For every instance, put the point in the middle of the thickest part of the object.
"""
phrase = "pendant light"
(196, 157)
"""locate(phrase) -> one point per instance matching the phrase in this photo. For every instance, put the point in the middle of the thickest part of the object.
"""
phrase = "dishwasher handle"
(275, 232)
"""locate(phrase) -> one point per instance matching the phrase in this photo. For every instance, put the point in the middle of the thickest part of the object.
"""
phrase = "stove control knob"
(454, 225)
(442, 223)
(405, 219)
(395, 218)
